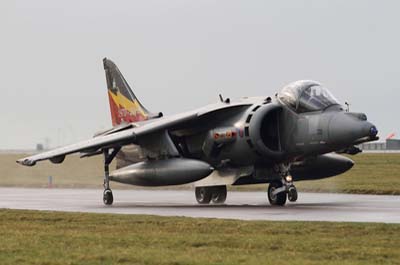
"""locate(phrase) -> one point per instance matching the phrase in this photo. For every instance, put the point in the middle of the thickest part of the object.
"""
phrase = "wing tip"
(26, 162)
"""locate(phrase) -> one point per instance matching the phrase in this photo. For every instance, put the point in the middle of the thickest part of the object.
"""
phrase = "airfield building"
(388, 145)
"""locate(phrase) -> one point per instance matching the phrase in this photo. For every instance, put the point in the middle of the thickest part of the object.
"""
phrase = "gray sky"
(180, 54)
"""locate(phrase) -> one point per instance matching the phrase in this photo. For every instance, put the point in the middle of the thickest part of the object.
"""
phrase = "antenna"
(227, 101)
(348, 106)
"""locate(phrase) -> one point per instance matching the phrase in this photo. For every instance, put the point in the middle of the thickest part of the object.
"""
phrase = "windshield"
(307, 96)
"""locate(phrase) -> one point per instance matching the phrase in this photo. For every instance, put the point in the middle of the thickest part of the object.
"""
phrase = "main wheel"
(219, 194)
(292, 194)
(277, 199)
(203, 195)
(108, 197)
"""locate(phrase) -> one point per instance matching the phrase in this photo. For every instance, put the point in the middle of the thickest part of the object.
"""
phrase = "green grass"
(372, 174)
(29, 237)
(73, 173)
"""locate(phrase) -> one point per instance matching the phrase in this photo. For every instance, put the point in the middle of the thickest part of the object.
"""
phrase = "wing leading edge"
(117, 139)
(91, 145)
(125, 137)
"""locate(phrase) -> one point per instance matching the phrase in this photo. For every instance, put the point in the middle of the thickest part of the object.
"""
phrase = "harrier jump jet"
(292, 136)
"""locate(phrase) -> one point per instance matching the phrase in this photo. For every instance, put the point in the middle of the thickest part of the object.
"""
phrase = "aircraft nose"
(373, 131)
(350, 129)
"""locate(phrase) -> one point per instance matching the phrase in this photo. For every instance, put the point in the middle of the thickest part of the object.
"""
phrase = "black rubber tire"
(108, 197)
(203, 194)
(280, 198)
(219, 194)
(292, 194)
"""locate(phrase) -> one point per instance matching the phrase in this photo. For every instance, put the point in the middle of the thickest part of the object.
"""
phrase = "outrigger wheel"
(108, 197)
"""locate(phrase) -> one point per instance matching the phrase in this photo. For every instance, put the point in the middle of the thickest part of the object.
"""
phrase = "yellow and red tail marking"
(124, 110)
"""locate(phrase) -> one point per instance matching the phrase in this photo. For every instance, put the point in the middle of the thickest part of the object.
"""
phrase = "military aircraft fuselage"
(265, 132)
(294, 135)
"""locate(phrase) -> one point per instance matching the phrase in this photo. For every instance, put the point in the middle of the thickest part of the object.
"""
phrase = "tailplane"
(124, 106)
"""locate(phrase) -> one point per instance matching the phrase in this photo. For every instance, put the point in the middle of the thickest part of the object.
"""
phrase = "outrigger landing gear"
(108, 197)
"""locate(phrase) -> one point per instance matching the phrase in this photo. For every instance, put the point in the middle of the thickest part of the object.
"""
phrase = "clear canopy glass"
(307, 96)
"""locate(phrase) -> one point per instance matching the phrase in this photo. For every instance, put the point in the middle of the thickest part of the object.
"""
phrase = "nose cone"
(346, 129)
(373, 131)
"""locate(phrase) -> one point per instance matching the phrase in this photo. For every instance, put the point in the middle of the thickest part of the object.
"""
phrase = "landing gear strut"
(108, 197)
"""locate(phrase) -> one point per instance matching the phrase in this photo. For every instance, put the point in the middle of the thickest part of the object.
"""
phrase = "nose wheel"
(276, 193)
(292, 194)
(282, 188)
(280, 191)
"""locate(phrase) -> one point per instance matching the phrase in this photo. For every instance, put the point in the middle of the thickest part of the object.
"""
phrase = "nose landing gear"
(279, 191)
(292, 194)
(276, 193)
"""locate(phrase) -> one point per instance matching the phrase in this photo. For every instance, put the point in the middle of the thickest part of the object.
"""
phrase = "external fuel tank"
(174, 171)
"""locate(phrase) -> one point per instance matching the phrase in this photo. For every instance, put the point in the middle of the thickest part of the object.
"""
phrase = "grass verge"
(30, 237)
(372, 174)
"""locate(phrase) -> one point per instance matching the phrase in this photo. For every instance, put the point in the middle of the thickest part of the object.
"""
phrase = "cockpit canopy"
(307, 96)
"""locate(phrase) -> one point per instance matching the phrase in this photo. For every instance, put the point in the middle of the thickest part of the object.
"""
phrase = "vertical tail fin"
(124, 106)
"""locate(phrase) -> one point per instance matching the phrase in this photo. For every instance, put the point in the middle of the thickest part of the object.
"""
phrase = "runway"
(239, 205)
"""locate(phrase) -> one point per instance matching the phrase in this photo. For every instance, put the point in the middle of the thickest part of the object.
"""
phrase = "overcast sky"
(180, 54)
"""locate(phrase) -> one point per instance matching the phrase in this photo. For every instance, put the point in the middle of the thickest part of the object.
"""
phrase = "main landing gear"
(215, 194)
(108, 197)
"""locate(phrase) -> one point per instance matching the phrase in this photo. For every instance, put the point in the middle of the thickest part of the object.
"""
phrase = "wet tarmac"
(239, 205)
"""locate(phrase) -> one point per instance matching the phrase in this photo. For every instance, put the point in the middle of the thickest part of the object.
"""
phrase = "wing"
(125, 137)
(91, 145)
(117, 139)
